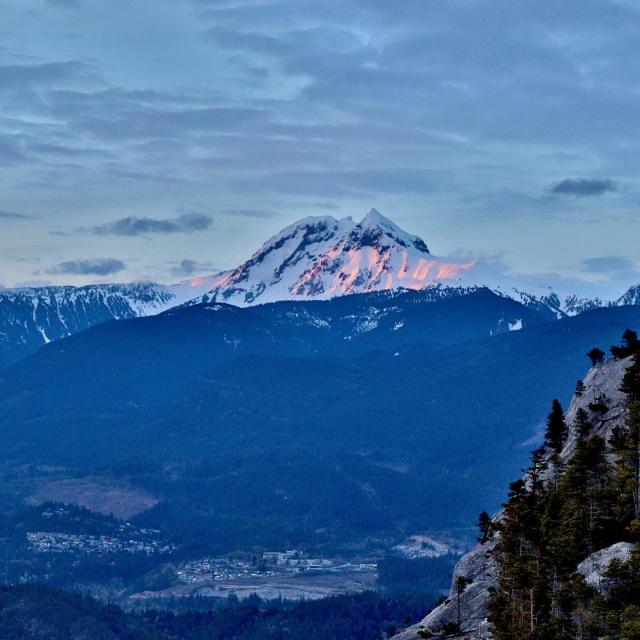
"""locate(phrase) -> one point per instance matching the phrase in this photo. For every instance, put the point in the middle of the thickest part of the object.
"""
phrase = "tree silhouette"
(556, 432)
(630, 345)
(484, 525)
(596, 355)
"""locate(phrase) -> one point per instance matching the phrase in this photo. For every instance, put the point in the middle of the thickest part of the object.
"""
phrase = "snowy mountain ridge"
(30, 317)
(316, 258)
(323, 257)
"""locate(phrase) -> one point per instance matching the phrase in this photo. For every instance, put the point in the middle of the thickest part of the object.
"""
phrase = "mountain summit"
(322, 257)
(314, 258)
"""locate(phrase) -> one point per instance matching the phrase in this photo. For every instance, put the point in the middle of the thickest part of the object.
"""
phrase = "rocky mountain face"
(562, 307)
(593, 567)
(601, 387)
(31, 317)
(631, 297)
(481, 569)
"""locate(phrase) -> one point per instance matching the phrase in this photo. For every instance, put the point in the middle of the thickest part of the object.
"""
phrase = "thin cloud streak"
(14, 215)
(584, 187)
(134, 226)
(89, 266)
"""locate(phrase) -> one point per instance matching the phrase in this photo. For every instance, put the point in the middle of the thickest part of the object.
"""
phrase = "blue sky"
(162, 139)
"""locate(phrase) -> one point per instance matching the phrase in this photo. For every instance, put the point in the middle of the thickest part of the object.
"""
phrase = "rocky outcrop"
(480, 569)
(602, 399)
(630, 297)
(605, 403)
(593, 567)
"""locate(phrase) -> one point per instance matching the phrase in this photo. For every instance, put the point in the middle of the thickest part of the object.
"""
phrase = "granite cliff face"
(481, 569)
(601, 387)
(593, 567)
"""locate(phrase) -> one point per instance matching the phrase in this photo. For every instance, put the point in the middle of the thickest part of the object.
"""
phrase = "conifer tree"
(630, 345)
(596, 356)
(556, 432)
(462, 582)
(586, 515)
(629, 444)
(549, 527)
(484, 526)
(583, 424)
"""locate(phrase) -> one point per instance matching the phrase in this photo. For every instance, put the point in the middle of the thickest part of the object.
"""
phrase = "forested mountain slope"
(29, 612)
(30, 318)
(255, 427)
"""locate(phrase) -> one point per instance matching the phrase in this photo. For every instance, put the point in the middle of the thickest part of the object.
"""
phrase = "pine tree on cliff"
(596, 356)
(550, 524)
(583, 424)
(630, 345)
(484, 526)
(555, 437)
(626, 445)
(586, 520)
(556, 433)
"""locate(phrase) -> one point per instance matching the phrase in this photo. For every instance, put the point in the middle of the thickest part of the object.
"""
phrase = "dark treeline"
(39, 612)
(563, 511)
(28, 612)
(365, 616)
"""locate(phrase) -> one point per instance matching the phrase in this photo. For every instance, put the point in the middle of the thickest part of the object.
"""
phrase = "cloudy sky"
(162, 139)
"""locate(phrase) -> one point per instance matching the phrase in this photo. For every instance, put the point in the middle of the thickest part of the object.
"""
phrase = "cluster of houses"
(142, 543)
(296, 559)
(218, 569)
(265, 565)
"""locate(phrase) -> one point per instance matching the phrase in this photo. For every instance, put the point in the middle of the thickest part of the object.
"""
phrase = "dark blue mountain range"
(361, 418)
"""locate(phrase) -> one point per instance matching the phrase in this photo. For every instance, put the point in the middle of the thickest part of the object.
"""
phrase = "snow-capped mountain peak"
(311, 230)
(323, 257)
(314, 258)
(378, 223)
(375, 220)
